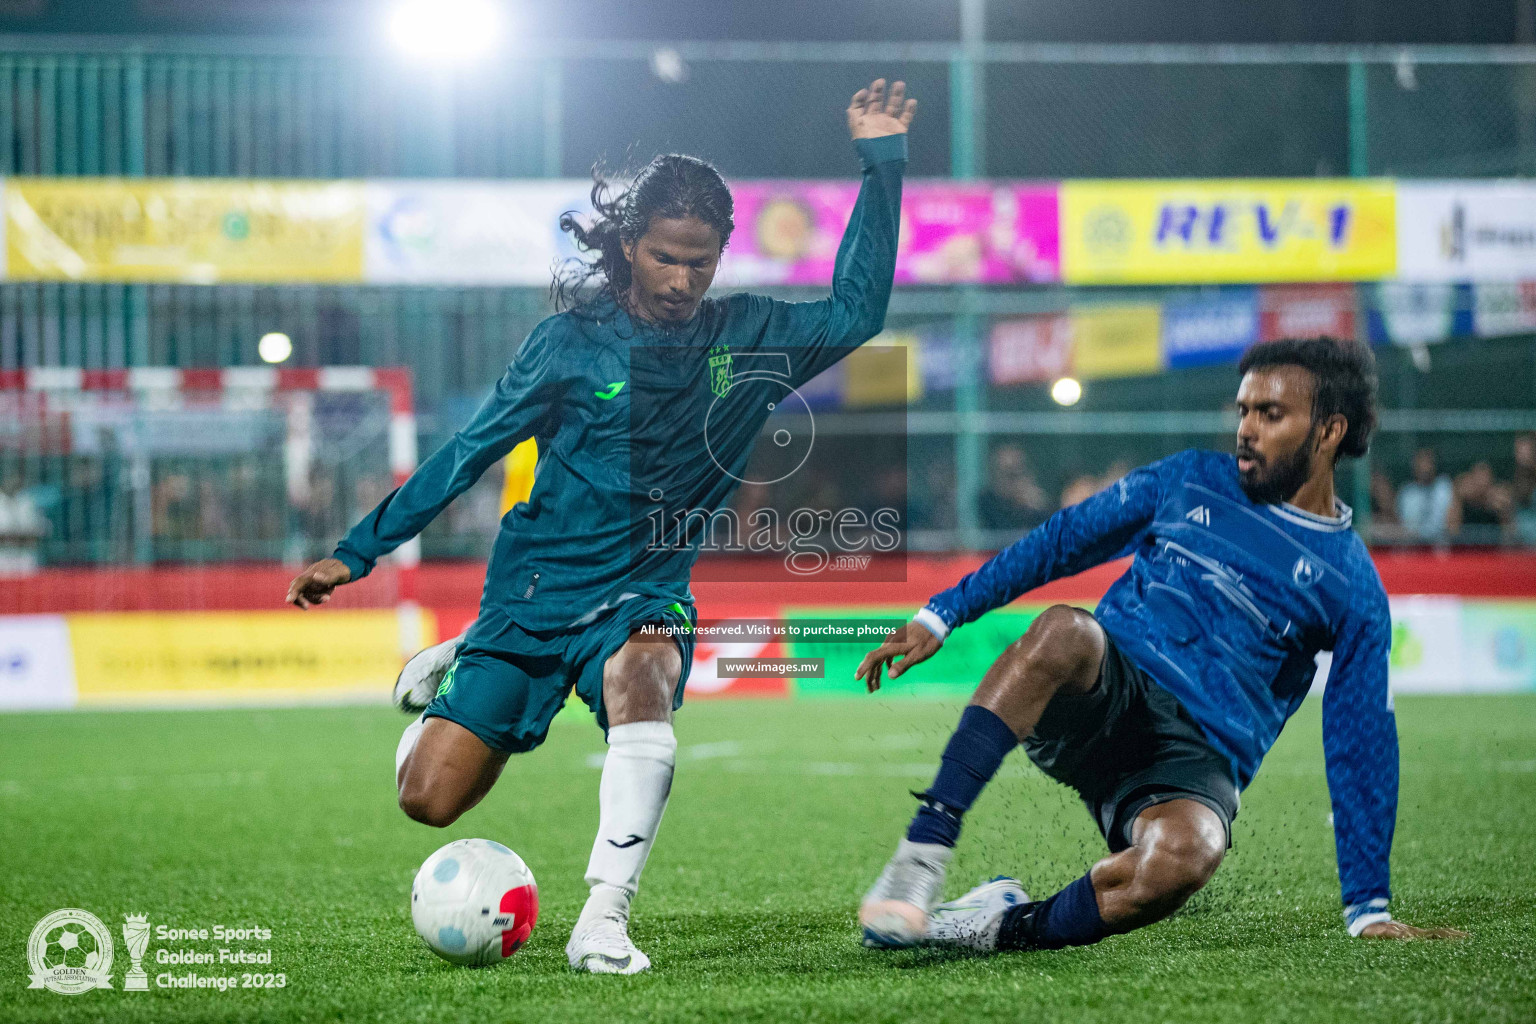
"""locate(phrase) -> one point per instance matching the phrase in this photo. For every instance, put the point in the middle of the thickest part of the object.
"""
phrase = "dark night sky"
(1319, 21)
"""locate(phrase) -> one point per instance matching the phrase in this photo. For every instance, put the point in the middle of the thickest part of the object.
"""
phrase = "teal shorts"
(507, 693)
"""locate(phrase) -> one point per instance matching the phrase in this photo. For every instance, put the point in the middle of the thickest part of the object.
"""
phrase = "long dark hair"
(671, 186)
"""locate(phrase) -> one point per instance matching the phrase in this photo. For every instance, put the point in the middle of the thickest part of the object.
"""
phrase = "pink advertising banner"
(787, 232)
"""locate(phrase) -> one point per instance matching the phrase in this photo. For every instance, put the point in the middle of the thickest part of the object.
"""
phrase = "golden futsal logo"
(70, 952)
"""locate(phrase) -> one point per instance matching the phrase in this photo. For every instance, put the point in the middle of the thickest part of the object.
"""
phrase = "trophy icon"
(136, 937)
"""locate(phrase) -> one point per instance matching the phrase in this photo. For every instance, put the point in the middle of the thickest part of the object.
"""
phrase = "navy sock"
(1069, 918)
(971, 758)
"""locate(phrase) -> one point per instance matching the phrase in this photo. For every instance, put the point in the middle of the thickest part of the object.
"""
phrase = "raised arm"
(509, 415)
(818, 334)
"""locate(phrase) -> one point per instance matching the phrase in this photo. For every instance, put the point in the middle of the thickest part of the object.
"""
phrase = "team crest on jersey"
(1305, 573)
(720, 369)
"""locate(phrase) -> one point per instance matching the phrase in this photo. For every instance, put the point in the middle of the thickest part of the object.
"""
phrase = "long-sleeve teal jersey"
(637, 425)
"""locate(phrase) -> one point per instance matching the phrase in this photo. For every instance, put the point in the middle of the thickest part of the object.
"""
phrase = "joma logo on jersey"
(1199, 514)
(720, 369)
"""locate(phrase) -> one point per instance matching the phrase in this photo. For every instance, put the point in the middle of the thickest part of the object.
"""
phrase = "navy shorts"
(1128, 744)
(510, 693)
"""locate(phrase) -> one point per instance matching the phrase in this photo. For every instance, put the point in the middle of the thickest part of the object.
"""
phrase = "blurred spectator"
(1117, 470)
(1084, 487)
(212, 520)
(173, 510)
(314, 517)
(1079, 489)
(932, 502)
(1485, 504)
(1386, 527)
(1426, 505)
(256, 511)
(472, 520)
(22, 527)
(888, 492)
(367, 492)
(1523, 487)
(751, 496)
(1012, 499)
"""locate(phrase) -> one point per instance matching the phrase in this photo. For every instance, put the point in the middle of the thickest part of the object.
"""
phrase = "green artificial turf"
(782, 814)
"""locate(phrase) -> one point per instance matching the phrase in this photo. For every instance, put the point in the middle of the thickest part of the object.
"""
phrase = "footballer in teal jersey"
(646, 398)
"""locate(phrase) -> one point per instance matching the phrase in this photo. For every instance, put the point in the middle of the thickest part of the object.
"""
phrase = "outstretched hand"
(314, 585)
(872, 113)
(1408, 933)
(913, 643)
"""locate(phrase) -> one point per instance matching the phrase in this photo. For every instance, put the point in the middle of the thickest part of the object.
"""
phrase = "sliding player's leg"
(641, 685)
(1177, 847)
(1178, 844)
(1058, 658)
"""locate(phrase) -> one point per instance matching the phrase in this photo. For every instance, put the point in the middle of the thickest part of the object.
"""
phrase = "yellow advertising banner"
(1116, 341)
(194, 231)
(229, 657)
(884, 371)
(1259, 230)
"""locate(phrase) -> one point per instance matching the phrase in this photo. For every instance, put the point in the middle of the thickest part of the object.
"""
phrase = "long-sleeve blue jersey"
(1226, 605)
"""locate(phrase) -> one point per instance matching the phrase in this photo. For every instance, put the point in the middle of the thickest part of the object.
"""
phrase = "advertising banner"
(234, 657)
(1499, 645)
(885, 370)
(787, 232)
(704, 678)
(1398, 313)
(1504, 308)
(469, 232)
(1030, 348)
(35, 667)
(1116, 341)
(953, 676)
(1215, 231)
(1306, 311)
(937, 359)
(1466, 230)
(1209, 327)
(1426, 644)
(193, 231)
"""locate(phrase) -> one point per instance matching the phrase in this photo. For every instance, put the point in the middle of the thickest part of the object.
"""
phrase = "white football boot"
(895, 910)
(973, 920)
(600, 941)
(418, 682)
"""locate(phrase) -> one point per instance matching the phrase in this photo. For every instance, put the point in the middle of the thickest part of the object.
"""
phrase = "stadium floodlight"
(446, 29)
(274, 347)
(668, 65)
(1066, 391)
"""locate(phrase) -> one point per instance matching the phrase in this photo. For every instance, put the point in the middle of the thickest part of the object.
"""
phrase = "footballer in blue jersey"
(1159, 706)
(625, 391)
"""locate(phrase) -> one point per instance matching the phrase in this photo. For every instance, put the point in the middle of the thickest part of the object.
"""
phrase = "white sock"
(408, 743)
(637, 776)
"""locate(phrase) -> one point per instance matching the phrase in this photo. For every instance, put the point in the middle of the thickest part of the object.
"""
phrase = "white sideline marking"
(708, 751)
(695, 752)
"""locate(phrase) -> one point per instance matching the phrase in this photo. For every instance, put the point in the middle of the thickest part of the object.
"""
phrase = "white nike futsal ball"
(474, 902)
